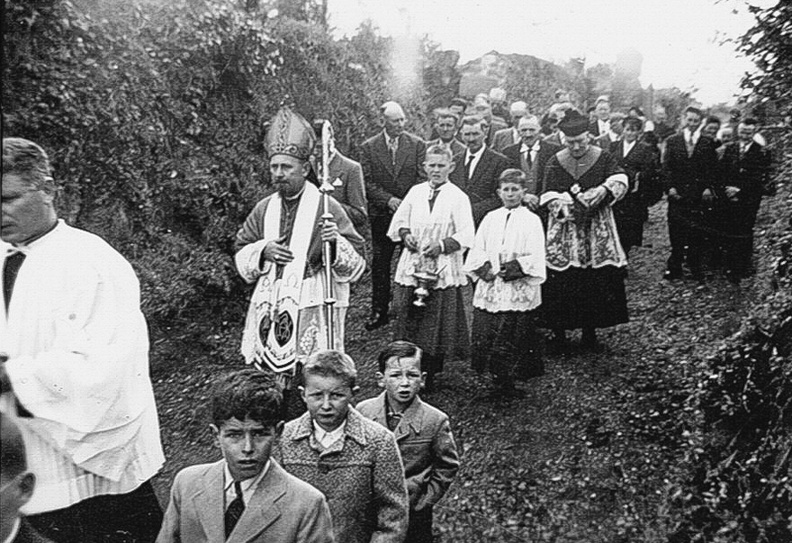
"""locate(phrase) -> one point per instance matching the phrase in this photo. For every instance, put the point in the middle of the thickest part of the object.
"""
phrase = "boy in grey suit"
(246, 497)
(423, 433)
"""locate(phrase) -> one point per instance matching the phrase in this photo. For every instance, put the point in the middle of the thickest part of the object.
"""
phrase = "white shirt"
(476, 157)
(604, 126)
(694, 137)
(325, 438)
(249, 486)
(78, 360)
(534, 150)
(627, 147)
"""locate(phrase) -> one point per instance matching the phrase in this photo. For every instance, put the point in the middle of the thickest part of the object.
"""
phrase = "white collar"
(327, 438)
(477, 154)
(248, 485)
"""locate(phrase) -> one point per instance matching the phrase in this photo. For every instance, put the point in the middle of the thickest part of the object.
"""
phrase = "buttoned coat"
(361, 476)
(282, 509)
(690, 175)
(427, 447)
(483, 182)
(384, 179)
(546, 150)
(750, 173)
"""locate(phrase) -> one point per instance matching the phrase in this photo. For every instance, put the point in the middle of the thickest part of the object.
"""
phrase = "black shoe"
(378, 320)
(733, 278)
(672, 275)
(590, 342)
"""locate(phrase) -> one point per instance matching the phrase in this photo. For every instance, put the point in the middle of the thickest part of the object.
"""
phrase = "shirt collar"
(321, 434)
(477, 154)
(248, 485)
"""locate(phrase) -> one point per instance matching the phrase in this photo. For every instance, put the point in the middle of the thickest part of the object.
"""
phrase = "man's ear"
(453, 166)
(302, 393)
(423, 379)
(279, 428)
(380, 379)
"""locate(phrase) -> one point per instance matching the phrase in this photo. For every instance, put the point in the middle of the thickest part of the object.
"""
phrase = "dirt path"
(584, 457)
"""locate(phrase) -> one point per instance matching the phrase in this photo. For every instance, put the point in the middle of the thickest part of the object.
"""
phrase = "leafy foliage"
(739, 487)
(769, 44)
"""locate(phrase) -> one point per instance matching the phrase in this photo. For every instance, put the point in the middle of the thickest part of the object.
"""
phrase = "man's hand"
(673, 194)
(432, 250)
(329, 231)
(531, 201)
(595, 196)
(394, 203)
(410, 241)
(731, 192)
(275, 251)
(707, 196)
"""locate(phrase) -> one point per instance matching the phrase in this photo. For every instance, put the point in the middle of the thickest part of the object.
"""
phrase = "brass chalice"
(426, 280)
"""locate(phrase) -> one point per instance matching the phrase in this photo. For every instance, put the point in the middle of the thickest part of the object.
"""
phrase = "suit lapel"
(209, 507)
(263, 509)
(401, 155)
(482, 163)
(384, 153)
(410, 419)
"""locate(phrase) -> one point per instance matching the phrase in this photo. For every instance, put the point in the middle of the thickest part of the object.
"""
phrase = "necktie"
(10, 271)
(467, 167)
(393, 145)
(235, 510)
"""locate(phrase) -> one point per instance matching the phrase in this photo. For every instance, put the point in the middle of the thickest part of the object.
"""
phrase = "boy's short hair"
(694, 110)
(438, 149)
(399, 349)
(331, 363)
(712, 119)
(247, 393)
(512, 175)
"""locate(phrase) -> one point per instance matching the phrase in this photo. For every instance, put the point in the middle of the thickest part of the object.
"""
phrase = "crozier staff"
(280, 249)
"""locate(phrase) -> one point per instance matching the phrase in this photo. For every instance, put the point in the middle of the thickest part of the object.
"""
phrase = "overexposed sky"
(681, 40)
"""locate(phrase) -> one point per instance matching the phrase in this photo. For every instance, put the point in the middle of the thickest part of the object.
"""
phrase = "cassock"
(503, 338)
(585, 259)
(439, 328)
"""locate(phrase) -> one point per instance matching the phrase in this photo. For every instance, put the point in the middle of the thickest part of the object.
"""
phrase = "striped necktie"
(235, 510)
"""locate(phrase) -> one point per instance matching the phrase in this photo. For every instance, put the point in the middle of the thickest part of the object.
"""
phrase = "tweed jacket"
(384, 179)
(282, 509)
(546, 150)
(427, 447)
(361, 476)
(483, 181)
(692, 175)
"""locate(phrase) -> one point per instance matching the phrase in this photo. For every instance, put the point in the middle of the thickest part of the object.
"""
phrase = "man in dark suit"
(476, 171)
(530, 156)
(392, 163)
(689, 169)
(746, 178)
(509, 136)
(639, 161)
(483, 108)
(446, 126)
(602, 111)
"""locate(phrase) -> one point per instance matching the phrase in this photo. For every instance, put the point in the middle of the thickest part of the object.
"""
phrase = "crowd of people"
(502, 227)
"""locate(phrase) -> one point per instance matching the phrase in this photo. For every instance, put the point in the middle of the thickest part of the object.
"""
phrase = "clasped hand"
(278, 252)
